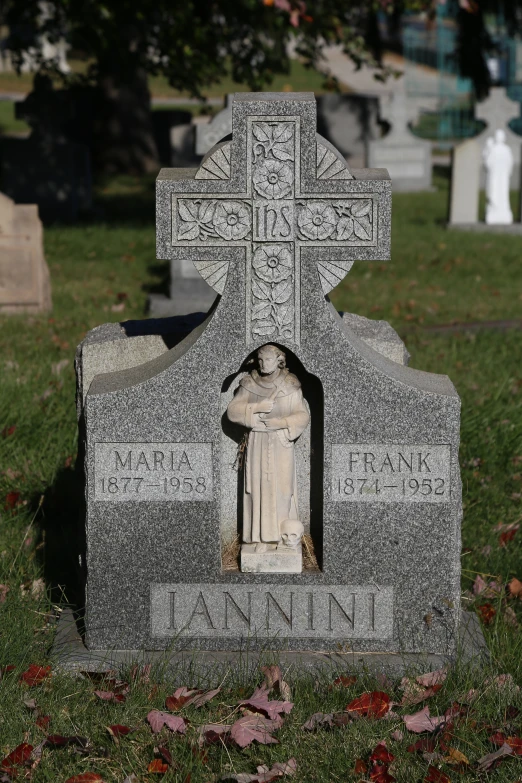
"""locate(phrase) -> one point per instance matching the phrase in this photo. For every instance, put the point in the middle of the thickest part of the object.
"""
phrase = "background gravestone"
(25, 285)
(350, 122)
(406, 157)
(466, 164)
(210, 133)
(384, 497)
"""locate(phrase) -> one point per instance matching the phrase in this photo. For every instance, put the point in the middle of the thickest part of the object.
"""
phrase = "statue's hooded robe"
(270, 482)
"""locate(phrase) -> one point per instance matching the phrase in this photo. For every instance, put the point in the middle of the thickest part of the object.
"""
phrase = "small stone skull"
(291, 533)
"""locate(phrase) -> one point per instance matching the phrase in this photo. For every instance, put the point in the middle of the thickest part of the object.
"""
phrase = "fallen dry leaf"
(264, 775)
(360, 767)
(274, 681)
(506, 537)
(203, 698)
(434, 775)
(381, 754)
(487, 613)
(515, 587)
(490, 759)
(35, 675)
(180, 697)
(345, 680)
(12, 500)
(260, 703)
(7, 431)
(456, 757)
(4, 589)
(252, 728)
(212, 733)
(158, 719)
(110, 696)
(117, 730)
(423, 721)
(370, 705)
(158, 766)
(17, 758)
(432, 678)
(319, 720)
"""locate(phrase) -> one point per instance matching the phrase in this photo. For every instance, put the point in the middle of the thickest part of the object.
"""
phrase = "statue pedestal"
(282, 560)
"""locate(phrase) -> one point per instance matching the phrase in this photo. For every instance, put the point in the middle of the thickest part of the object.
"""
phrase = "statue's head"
(500, 136)
(291, 532)
(270, 358)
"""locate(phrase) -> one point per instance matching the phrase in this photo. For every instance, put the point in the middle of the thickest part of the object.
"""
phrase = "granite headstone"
(25, 285)
(272, 220)
(465, 181)
(406, 157)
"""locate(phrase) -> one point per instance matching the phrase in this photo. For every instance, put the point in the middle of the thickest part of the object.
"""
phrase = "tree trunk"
(123, 138)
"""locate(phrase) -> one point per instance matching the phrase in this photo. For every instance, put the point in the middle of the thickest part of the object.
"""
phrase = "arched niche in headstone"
(309, 456)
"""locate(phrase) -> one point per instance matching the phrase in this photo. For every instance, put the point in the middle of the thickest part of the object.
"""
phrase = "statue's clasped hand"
(273, 424)
(265, 406)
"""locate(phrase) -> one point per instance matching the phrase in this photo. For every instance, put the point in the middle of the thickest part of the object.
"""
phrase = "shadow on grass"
(61, 530)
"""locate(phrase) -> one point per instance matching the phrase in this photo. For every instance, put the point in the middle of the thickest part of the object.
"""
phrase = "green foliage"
(192, 43)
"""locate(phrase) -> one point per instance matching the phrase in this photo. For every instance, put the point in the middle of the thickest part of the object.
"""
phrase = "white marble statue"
(498, 161)
(269, 403)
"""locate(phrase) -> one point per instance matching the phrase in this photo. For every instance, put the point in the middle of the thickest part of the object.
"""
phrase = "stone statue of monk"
(269, 402)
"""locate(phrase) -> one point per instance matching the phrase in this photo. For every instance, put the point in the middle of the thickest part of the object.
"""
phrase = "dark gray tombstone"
(272, 220)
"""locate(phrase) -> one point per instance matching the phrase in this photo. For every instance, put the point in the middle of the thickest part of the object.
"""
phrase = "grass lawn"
(435, 277)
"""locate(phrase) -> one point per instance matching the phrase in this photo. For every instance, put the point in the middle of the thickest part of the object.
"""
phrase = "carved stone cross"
(286, 197)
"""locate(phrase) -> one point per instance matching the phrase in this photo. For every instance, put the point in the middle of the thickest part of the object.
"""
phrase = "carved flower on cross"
(273, 179)
(273, 263)
(195, 218)
(232, 220)
(316, 220)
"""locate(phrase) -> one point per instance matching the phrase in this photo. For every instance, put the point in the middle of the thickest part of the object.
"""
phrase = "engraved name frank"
(390, 473)
(333, 612)
(153, 471)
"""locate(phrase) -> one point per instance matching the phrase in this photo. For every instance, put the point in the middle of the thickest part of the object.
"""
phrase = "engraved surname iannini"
(294, 611)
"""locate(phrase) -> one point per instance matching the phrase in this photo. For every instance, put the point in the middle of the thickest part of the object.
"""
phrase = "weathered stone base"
(513, 228)
(282, 560)
(70, 654)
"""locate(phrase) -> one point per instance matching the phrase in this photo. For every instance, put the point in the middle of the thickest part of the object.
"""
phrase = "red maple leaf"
(506, 537)
(426, 744)
(381, 754)
(12, 499)
(7, 431)
(35, 675)
(516, 744)
(117, 730)
(345, 681)
(370, 705)
(260, 703)
(17, 758)
(434, 775)
(487, 613)
(85, 777)
(158, 766)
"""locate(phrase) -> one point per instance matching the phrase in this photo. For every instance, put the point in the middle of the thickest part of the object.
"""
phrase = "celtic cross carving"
(275, 218)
